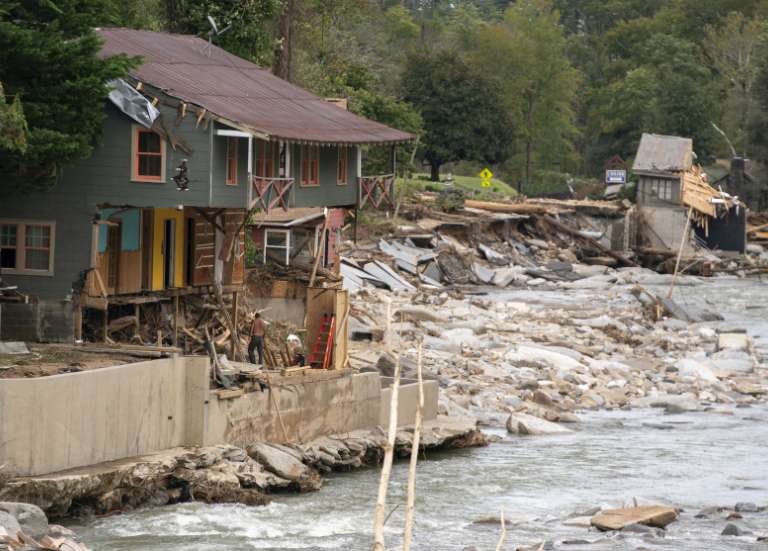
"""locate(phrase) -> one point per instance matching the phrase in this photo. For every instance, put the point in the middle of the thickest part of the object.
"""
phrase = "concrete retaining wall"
(64, 421)
(308, 410)
(73, 420)
(408, 400)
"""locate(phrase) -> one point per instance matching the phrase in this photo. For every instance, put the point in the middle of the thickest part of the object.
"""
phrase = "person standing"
(258, 329)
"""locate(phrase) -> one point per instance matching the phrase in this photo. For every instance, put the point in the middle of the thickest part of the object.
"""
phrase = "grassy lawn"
(472, 185)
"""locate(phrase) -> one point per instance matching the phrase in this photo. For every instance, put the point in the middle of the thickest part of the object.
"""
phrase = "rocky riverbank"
(223, 474)
(531, 358)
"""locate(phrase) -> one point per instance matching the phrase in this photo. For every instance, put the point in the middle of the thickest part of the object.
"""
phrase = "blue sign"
(615, 176)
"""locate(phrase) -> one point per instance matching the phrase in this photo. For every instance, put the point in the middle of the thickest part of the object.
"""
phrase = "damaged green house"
(194, 140)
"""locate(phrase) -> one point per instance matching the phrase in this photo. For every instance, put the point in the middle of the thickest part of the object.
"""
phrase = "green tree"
(671, 91)
(249, 35)
(463, 111)
(49, 59)
(13, 125)
(525, 53)
(732, 50)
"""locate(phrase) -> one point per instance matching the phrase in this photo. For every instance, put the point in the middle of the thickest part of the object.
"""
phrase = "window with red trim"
(148, 156)
(310, 155)
(264, 164)
(342, 171)
(231, 161)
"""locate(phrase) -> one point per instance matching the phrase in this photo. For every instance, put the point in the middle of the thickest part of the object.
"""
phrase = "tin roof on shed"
(239, 91)
(663, 154)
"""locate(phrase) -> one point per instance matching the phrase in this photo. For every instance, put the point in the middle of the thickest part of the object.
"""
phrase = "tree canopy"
(48, 60)
(463, 113)
(539, 88)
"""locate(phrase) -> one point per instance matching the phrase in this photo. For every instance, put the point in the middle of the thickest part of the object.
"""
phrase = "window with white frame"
(277, 245)
(26, 247)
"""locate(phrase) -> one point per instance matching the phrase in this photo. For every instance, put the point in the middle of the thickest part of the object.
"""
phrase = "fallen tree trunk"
(575, 233)
(512, 208)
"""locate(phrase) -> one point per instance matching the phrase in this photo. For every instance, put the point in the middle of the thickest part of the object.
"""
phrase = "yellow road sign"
(486, 174)
(485, 183)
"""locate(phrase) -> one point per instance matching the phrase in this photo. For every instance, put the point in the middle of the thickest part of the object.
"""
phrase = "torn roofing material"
(131, 102)
(240, 92)
(658, 154)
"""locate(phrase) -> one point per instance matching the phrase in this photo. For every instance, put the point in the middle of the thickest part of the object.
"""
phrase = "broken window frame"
(137, 154)
(22, 248)
(286, 247)
(231, 166)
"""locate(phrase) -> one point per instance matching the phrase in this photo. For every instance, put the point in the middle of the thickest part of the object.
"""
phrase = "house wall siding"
(328, 193)
(105, 178)
(229, 196)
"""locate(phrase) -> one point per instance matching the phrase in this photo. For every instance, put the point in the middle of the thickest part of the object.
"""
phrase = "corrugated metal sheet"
(663, 154)
(239, 91)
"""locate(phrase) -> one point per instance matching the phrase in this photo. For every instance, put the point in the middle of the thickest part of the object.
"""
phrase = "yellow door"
(168, 249)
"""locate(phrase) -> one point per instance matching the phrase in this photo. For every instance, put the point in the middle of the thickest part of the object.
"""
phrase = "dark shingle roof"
(663, 154)
(238, 91)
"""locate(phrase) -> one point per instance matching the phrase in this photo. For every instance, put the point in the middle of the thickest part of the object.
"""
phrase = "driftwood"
(386, 469)
(411, 499)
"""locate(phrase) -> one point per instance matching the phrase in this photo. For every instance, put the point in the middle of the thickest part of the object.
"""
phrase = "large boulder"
(617, 519)
(689, 367)
(528, 425)
(31, 518)
(9, 526)
(285, 465)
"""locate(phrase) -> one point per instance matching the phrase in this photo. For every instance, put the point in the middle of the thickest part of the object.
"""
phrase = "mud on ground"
(54, 359)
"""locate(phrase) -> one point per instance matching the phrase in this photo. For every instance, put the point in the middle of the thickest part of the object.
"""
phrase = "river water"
(691, 461)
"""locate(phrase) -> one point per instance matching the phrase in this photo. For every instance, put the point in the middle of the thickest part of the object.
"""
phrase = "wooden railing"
(377, 191)
(270, 192)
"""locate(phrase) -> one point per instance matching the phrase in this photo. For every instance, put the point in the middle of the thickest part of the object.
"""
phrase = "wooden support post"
(176, 314)
(78, 321)
(318, 253)
(106, 321)
(235, 336)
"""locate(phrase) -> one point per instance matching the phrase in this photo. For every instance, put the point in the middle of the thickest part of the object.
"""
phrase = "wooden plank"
(229, 394)
(341, 336)
(129, 273)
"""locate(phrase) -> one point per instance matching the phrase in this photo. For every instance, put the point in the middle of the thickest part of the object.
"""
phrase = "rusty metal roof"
(240, 92)
(659, 154)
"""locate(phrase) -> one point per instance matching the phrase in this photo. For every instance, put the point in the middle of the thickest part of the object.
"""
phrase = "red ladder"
(322, 351)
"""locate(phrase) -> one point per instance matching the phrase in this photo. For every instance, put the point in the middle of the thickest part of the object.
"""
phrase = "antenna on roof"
(214, 32)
